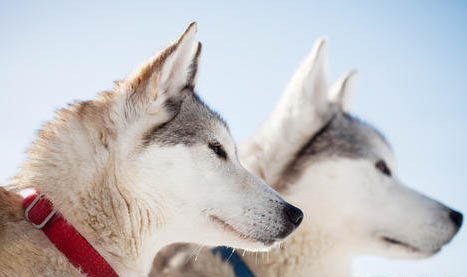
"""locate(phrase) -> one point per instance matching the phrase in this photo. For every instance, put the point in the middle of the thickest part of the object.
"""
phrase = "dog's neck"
(122, 230)
(85, 184)
(308, 252)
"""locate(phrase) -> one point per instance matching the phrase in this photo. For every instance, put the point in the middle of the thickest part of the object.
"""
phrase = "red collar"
(39, 211)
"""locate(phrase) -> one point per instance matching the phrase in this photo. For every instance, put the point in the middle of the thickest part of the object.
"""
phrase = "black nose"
(456, 217)
(294, 214)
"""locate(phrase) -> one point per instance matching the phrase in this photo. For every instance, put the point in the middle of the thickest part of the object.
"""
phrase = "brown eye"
(218, 150)
(382, 166)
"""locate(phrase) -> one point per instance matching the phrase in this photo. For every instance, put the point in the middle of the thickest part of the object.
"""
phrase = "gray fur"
(343, 136)
(192, 123)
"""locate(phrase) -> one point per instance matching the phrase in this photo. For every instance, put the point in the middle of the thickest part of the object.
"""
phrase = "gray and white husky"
(342, 173)
(142, 166)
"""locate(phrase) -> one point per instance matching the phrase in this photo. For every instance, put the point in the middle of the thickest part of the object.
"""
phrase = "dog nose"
(456, 217)
(294, 214)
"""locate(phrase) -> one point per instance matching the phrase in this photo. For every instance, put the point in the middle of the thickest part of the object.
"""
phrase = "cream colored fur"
(127, 195)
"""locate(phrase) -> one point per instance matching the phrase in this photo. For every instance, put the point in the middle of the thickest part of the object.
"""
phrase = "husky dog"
(341, 171)
(140, 167)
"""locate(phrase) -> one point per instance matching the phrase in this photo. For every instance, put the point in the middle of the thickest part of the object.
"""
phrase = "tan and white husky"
(142, 166)
(341, 172)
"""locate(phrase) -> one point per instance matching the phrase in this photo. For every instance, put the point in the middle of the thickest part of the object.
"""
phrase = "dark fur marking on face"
(211, 111)
(172, 106)
(192, 123)
(343, 136)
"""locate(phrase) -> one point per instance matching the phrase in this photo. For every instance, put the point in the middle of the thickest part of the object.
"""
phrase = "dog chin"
(401, 249)
(239, 239)
(250, 245)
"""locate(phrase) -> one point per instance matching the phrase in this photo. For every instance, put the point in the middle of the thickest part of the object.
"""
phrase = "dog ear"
(341, 90)
(308, 87)
(167, 78)
(180, 67)
(302, 110)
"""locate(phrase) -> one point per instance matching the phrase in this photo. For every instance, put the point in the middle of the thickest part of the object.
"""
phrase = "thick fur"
(142, 166)
(10, 208)
(341, 171)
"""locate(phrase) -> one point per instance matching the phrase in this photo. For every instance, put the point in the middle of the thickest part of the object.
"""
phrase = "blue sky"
(411, 57)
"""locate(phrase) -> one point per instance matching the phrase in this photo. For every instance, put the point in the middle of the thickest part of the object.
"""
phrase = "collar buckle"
(31, 206)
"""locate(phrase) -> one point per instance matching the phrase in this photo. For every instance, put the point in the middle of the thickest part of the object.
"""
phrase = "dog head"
(180, 156)
(342, 172)
(154, 155)
(348, 174)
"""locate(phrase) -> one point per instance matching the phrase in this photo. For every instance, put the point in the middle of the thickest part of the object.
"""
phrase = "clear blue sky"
(411, 56)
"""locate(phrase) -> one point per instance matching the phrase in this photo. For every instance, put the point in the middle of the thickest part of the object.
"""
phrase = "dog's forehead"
(347, 136)
(194, 123)
(344, 136)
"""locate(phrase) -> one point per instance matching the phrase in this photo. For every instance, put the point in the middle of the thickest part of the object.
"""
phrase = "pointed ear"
(309, 86)
(302, 110)
(180, 67)
(340, 91)
(168, 77)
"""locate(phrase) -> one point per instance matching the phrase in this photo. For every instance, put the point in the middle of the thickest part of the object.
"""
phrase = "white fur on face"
(349, 198)
(206, 199)
(368, 211)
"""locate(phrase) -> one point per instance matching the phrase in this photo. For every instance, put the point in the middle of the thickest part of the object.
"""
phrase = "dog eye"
(382, 166)
(218, 149)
